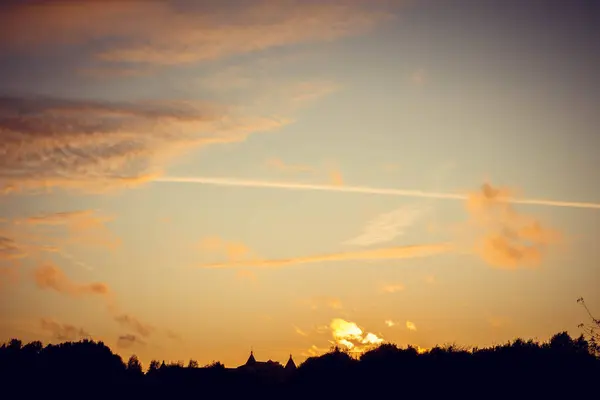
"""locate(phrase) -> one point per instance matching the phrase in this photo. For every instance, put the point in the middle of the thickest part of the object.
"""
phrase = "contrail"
(360, 189)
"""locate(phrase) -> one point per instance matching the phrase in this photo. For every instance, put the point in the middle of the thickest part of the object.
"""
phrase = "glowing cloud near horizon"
(361, 189)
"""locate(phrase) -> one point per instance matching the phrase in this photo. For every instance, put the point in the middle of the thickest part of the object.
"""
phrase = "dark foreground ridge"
(561, 368)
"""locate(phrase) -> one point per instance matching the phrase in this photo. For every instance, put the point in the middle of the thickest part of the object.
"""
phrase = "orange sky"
(192, 180)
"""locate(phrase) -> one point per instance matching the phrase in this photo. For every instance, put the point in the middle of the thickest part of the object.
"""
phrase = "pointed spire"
(251, 359)
(291, 365)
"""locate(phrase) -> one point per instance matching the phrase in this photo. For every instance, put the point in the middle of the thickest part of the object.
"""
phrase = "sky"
(198, 179)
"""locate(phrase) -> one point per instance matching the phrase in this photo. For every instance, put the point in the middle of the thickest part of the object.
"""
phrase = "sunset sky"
(193, 179)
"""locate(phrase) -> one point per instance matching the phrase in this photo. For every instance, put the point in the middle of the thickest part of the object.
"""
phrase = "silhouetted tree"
(591, 329)
(153, 367)
(134, 366)
(193, 364)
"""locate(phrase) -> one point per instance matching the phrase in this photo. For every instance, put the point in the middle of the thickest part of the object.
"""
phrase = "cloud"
(507, 239)
(173, 335)
(389, 253)
(84, 227)
(389, 323)
(328, 301)
(300, 331)
(233, 251)
(387, 226)
(128, 340)
(392, 288)
(170, 33)
(63, 332)
(49, 276)
(9, 249)
(133, 323)
(350, 335)
(411, 326)
(99, 145)
(278, 164)
(315, 351)
(335, 177)
(371, 338)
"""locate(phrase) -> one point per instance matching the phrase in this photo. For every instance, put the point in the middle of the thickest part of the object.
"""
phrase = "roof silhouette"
(290, 365)
(251, 359)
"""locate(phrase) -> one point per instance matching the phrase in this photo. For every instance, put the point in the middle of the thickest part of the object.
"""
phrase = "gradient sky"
(103, 105)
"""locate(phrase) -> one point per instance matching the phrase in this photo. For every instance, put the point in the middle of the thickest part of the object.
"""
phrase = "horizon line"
(237, 182)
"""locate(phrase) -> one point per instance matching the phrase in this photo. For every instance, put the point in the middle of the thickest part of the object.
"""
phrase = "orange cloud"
(389, 253)
(130, 144)
(51, 277)
(128, 340)
(508, 239)
(234, 251)
(63, 332)
(335, 177)
(164, 33)
(411, 326)
(300, 331)
(135, 324)
(9, 249)
(84, 227)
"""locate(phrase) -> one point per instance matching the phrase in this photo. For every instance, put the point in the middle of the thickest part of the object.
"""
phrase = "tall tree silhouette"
(591, 329)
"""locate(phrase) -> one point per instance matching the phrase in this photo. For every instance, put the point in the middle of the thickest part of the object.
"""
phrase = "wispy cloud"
(63, 332)
(411, 326)
(335, 177)
(49, 276)
(300, 331)
(128, 340)
(233, 251)
(386, 227)
(86, 227)
(9, 249)
(98, 145)
(389, 253)
(168, 33)
(134, 324)
(508, 239)
(389, 323)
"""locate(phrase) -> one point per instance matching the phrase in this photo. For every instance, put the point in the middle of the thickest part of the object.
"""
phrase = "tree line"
(517, 368)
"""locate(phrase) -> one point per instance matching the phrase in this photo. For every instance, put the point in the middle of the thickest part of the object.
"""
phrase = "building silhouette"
(266, 367)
